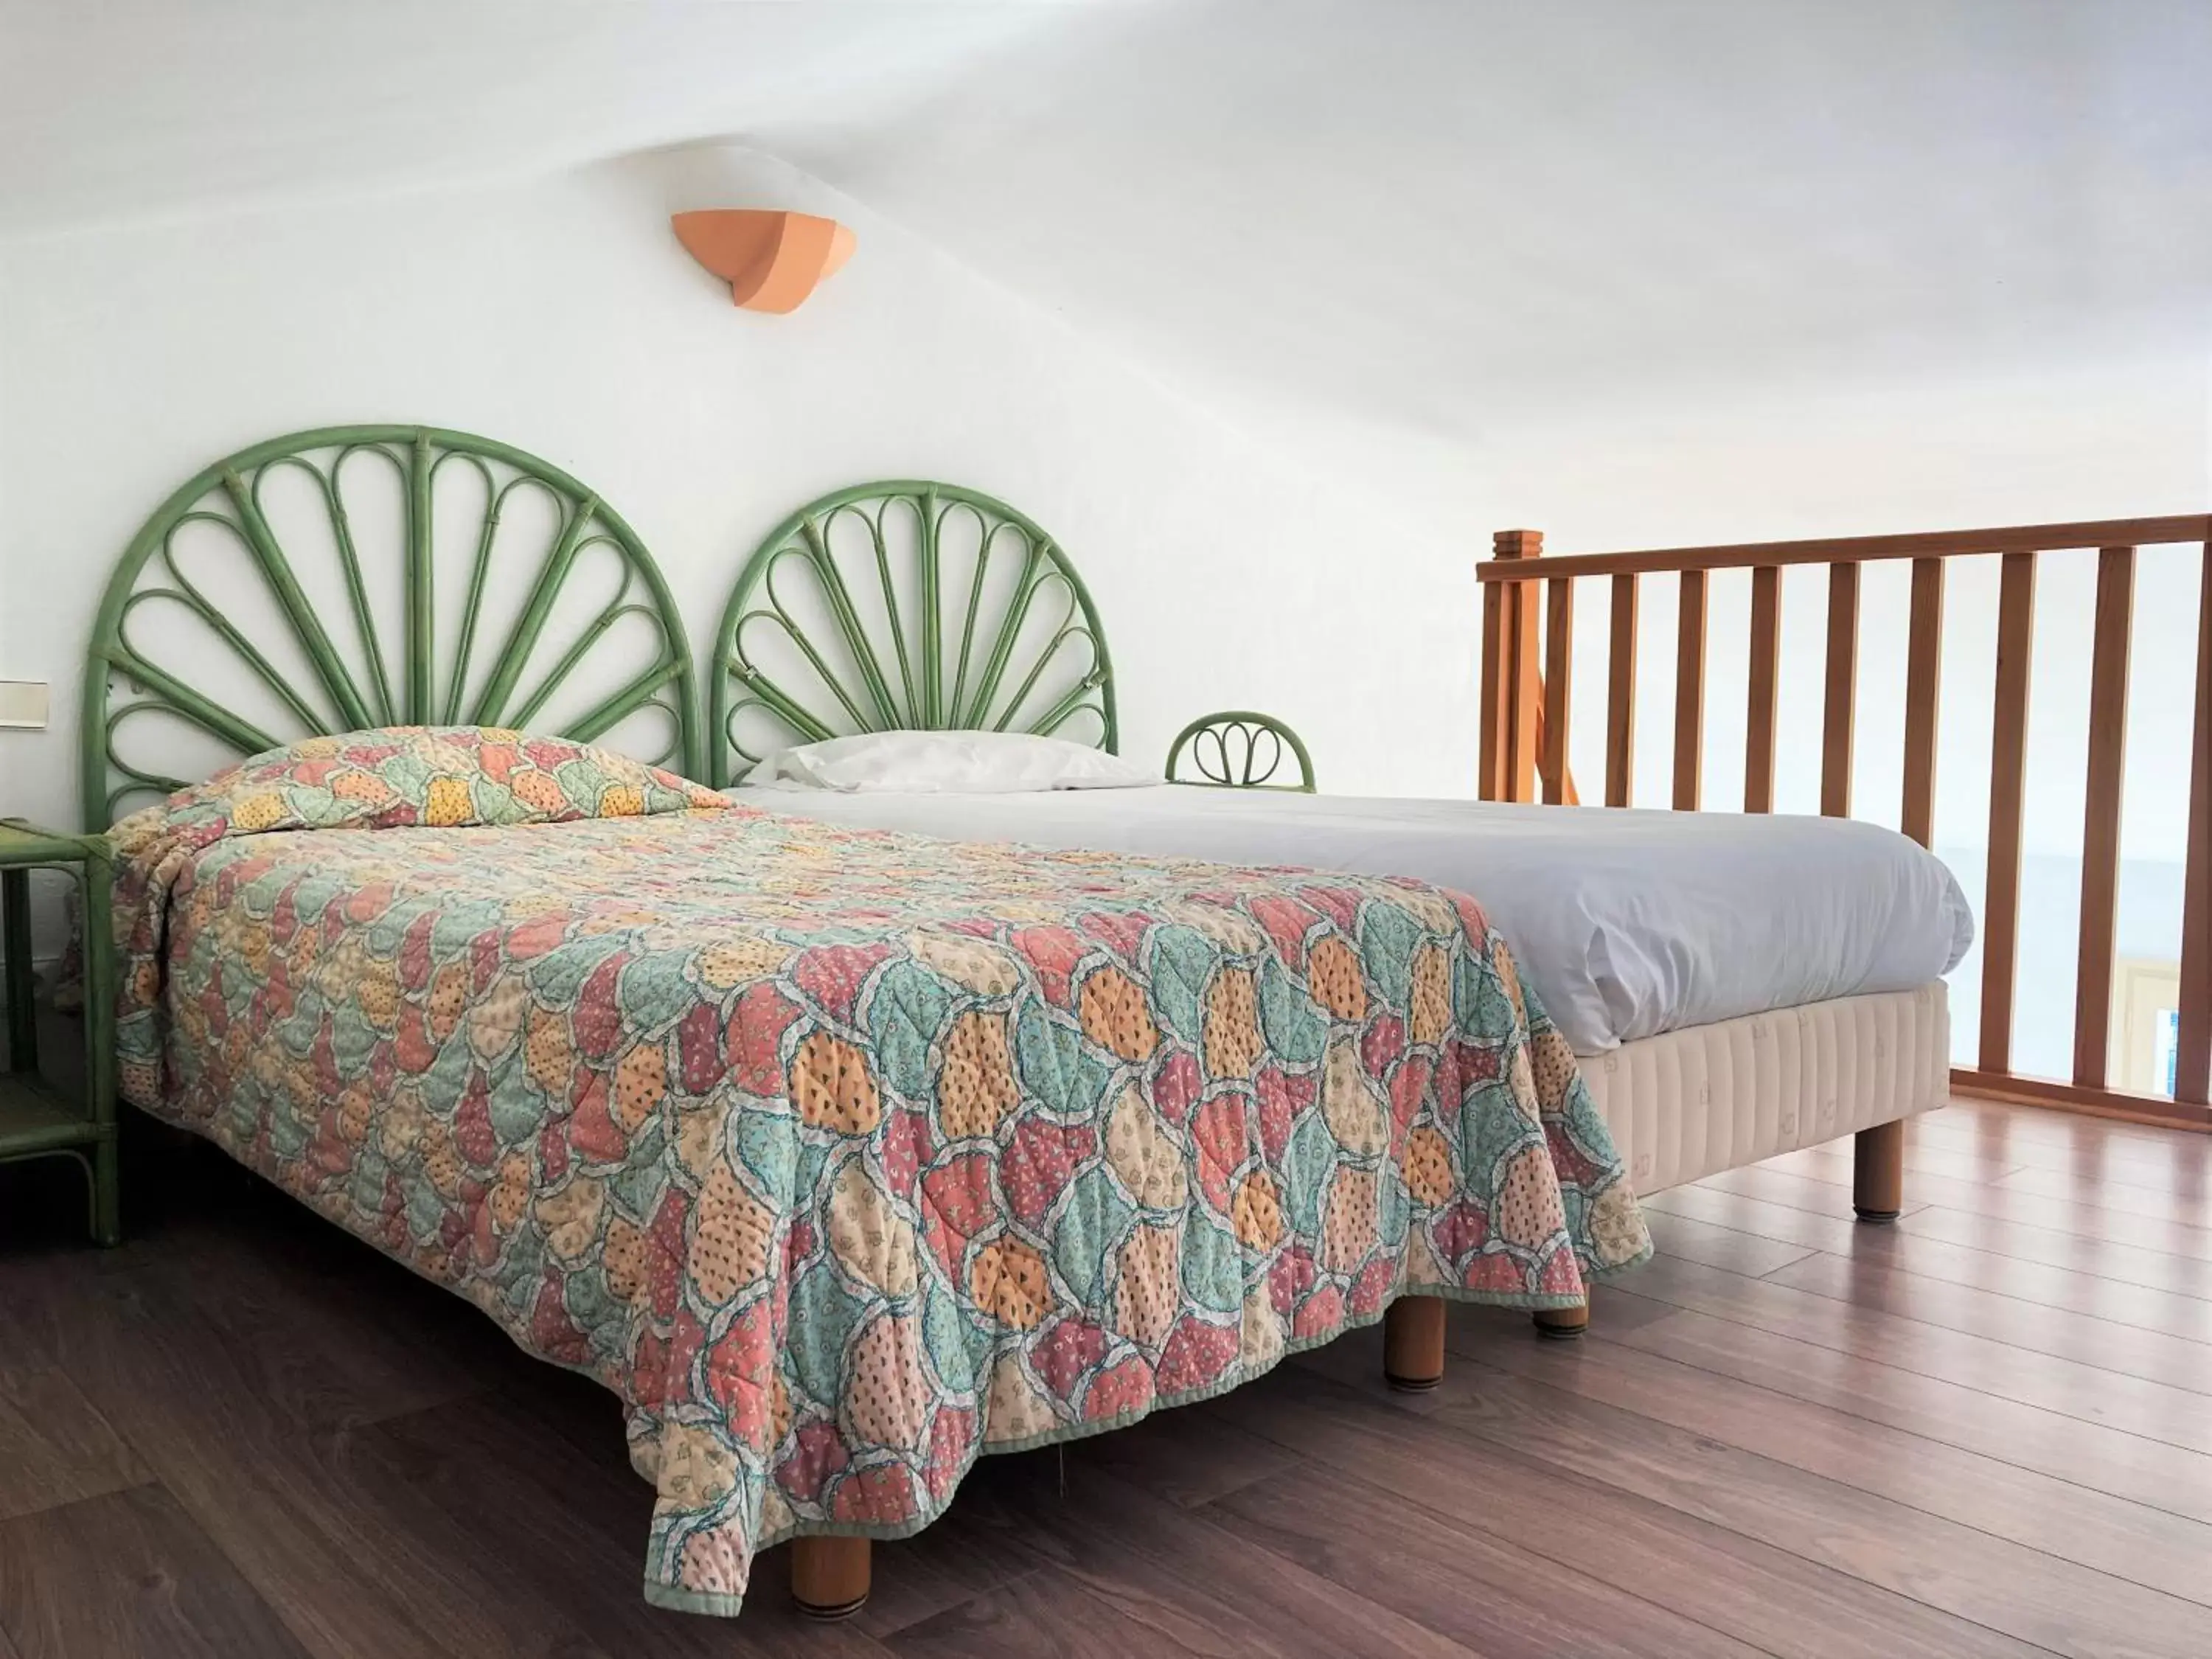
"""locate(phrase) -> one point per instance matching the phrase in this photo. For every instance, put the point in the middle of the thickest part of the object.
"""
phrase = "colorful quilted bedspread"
(842, 1156)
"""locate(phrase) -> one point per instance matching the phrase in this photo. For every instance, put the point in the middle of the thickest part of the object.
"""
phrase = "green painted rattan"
(426, 681)
(910, 649)
(1237, 749)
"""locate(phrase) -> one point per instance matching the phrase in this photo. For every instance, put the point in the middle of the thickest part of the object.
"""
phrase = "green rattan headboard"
(223, 642)
(905, 605)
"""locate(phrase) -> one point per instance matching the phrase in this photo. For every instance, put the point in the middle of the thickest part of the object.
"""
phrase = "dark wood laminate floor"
(1984, 1431)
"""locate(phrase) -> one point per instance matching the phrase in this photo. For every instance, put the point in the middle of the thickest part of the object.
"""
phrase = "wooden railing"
(1527, 685)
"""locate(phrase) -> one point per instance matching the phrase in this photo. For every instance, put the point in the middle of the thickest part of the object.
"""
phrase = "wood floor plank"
(2153, 1410)
(1135, 1549)
(2176, 1181)
(1694, 1240)
(125, 1575)
(2129, 1540)
(2155, 1268)
(2149, 1220)
(1800, 1192)
(1767, 1597)
(1492, 1596)
(1051, 1612)
(2030, 1127)
(2079, 1217)
(2188, 1203)
(2109, 1345)
(1784, 1224)
(2180, 1193)
(229, 1429)
(2036, 1264)
(1920, 1159)
(533, 1534)
(1832, 1171)
(1188, 1457)
(55, 1447)
(1355, 1360)
(2085, 1455)
(2059, 1140)
(1983, 1580)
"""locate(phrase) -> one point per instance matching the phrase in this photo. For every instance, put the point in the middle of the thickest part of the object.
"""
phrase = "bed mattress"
(1630, 924)
(1692, 1103)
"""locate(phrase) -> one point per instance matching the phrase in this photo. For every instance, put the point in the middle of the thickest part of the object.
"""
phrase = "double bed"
(848, 1138)
(841, 1156)
(1733, 987)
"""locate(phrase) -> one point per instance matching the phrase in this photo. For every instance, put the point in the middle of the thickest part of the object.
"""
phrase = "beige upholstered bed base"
(1695, 1102)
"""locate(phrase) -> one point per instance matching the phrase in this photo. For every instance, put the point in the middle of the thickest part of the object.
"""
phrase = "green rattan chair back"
(376, 575)
(905, 606)
(1237, 749)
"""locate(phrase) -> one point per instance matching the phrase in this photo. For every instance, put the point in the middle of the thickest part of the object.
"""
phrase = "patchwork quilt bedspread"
(843, 1156)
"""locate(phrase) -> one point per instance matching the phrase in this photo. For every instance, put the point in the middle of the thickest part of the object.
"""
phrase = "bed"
(1734, 986)
(842, 1156)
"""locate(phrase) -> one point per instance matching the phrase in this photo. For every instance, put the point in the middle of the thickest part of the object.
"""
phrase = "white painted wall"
(560, 315)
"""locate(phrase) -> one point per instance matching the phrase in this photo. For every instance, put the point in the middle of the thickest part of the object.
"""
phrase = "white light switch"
(23, 704)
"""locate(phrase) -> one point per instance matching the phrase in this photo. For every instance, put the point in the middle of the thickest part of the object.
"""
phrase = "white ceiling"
(1451, 212)
(122, 108)
(1437, 218)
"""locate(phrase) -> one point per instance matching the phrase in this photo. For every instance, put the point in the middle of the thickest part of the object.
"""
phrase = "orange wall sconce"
(772, 261)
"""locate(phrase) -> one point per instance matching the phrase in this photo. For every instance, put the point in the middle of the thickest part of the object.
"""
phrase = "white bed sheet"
(1628, 923)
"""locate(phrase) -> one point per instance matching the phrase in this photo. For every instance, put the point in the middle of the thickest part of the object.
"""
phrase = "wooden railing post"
(1620, 695)
(1924, 679)
(1559, 683)
(1840, 708)
(1690, 693)
(2192, 1054)
(1497, 703)
(2007, 801)
(1516, 682)
(1764, 683)
(2100, 827)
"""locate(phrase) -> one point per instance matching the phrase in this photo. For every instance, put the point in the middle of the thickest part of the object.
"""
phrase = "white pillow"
(947, 762)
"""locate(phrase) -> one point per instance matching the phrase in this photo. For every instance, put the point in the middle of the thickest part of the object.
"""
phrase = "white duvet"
(1628, 923)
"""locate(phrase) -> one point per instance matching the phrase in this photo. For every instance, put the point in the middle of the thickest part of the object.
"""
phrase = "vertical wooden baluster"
(1558, 651)
(1690, 692)
(1620, 696)
(2008, 795)
(1528, 703)
(2192, 1059)
(2100, 826)
(1759, 712)
(1497, 705)
(1842, 690)
(1924, 676)
(1520, 684)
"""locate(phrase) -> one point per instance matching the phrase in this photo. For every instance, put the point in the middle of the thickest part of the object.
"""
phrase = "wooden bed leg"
(1413, 1343)
(1563, 1324)
(829, 1576)
(1878, 1171)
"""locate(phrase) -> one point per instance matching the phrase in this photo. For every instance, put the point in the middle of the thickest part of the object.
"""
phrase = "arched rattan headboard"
(933, 608)
(303, 650)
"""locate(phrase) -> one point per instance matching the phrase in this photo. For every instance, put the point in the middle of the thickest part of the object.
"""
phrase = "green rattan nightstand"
(36, 1119)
